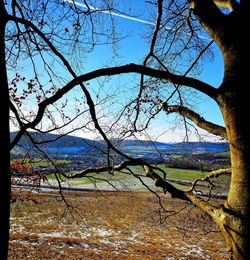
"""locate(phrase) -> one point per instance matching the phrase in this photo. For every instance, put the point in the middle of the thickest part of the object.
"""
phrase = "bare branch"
(160, 74)
(166, 186)
(129, 68)
(107, 168)
(197, 119)
(198, 58)
(151, 52)
(77, 80)
(206, 206)
(180, 80)
(159, 182)
(14, 110)
(213, 174)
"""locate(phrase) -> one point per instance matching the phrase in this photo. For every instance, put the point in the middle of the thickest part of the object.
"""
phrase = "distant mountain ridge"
(54, 140)
(72, 144)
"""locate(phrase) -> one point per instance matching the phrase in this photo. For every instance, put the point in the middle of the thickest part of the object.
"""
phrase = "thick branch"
(134, 68)
(211, 18)
(180, 80)
(159, 182)
(160, 74)
(197, 119)
(183, 195)
(228, 4)
(216, 174)
(130, 68)
(166, 186)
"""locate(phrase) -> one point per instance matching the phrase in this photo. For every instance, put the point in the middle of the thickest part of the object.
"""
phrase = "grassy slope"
(111, 226)
(182, 174)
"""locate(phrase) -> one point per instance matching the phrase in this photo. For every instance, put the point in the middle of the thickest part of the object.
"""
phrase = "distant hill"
(53, 140)
(72, 145)
(142, 147)
(200, 147)
(53, 143)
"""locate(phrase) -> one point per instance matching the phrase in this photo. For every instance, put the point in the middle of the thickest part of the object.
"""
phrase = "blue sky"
(132, 49)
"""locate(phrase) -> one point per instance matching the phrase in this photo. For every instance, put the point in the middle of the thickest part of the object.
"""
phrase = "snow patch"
(195, 251)
(102, 232)
(52, 234)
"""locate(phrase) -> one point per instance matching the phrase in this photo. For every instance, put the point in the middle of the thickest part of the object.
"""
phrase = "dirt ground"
(112, 225)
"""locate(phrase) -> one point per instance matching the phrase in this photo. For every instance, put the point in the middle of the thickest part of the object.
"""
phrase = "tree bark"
(236, 226)
(5, 179)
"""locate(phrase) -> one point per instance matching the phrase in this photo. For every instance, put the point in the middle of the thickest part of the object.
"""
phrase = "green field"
(134, 179)
(182, 174)
(171, 173)
(125, 180)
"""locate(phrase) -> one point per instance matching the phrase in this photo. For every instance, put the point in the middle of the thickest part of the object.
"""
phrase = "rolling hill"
(67, 144)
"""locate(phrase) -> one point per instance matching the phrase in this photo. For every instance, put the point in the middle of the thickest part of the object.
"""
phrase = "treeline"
(193, 163)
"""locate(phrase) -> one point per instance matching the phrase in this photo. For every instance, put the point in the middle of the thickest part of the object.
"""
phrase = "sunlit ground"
(111, 225)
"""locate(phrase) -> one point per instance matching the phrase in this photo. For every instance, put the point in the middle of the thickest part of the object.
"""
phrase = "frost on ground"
(109, 226)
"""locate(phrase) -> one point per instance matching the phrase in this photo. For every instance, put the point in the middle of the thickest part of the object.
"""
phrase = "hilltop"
(67, 144)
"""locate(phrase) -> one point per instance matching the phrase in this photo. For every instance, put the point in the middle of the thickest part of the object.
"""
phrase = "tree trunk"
(236, 226)
(5, 179)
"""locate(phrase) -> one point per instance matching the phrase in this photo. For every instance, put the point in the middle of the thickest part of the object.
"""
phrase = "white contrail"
(123, 16)
(110, 12)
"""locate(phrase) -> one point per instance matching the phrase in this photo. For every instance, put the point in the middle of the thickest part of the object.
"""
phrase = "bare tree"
(175, 50)
(32, 32)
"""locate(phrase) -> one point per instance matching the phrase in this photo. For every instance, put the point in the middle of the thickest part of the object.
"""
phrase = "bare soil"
(112, 225)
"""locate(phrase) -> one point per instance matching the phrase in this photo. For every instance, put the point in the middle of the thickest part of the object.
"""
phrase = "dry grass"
(111, 226)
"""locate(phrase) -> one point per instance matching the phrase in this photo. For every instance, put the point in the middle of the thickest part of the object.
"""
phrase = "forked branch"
(196, 118)
(210, 175)
(161, 182)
